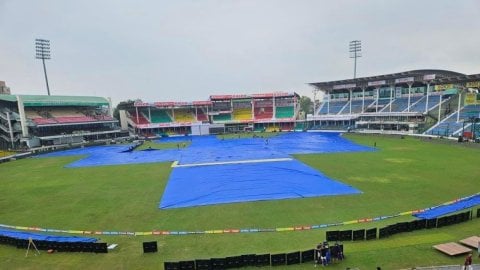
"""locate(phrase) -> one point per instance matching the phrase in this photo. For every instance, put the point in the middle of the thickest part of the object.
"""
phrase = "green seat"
(222, 117)
(284, 112)
(160, 117)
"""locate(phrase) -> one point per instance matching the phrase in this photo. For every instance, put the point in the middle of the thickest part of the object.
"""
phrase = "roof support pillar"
(409, 94)
(253, 109)
(439, 108)
(428, 92)
(328, 102)
(458, 108)
(136, 112)
(376, 101)
(275, 108)
(10, 129)
(392, 88)
(23, 119)
(351, 98)
(363, 99)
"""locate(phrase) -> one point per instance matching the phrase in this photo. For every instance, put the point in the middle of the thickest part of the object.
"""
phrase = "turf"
(403, 174)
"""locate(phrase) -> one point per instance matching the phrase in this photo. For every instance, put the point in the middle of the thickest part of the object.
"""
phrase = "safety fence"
(261, 260)
(228, 231)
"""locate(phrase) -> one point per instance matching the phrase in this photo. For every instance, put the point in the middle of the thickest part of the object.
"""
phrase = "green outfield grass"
(404, 174)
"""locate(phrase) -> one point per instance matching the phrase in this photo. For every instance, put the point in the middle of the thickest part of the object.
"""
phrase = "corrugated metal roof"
(43, 100)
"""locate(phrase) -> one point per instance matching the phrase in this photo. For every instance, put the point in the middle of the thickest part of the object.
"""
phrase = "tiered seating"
(263, 112)
(420, 106)
(62, 116)
(32, 114)
(381, 104)
(242, 114)
(398, 105)
(201, 115)
(141, 119)
(222, 117)
(284, 112)
(44, 121)
(65, 112)
(38, 119)
(103, 117)
(450, 126)
(183, 115)
(335, 107)
(159, 116)
(74, 119)
(413, 100)
(69, 115)
(401, 104)
(356, 106)
(322, 108)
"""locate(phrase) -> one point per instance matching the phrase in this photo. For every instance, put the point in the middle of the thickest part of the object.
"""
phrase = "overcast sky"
(187, 50)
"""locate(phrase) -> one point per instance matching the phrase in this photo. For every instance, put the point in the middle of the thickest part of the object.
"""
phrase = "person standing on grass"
(317, 254)
(468, 262)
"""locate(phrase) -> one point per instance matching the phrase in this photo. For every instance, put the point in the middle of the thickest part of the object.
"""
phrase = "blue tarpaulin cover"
(205, 149)
(42, 237)
(206, 185)
(228, 183)
(451, 208)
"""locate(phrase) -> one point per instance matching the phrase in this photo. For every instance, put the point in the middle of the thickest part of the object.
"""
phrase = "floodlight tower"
(42, 48)
(355, 52)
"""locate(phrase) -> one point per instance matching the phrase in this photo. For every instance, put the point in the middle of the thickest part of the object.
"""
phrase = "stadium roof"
(244, 96)
(421, 76)
(43, 100)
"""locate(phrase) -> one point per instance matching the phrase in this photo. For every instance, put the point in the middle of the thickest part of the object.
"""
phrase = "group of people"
(325, 254)
(183, 145)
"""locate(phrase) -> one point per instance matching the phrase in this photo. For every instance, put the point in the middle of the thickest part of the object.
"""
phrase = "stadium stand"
(396, 102)
(356, 106)
(449, 126)
(221, 113)
(242, 114)
(433, 101)
(263, 113)
(183, 115)
(334, 107)
(378, 105)
(284, 112)
(222, 117)
(400, 104)
(159, 116)
(30, 121)
(139, 119)
(201, 115)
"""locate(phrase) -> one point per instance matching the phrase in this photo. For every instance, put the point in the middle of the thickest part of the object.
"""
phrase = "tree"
(306, 105)
(123, 105)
